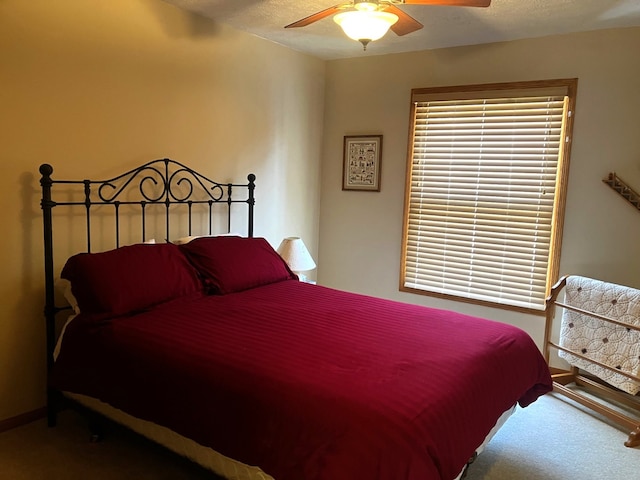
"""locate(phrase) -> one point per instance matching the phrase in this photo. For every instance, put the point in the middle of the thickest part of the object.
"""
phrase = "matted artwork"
(361, 162)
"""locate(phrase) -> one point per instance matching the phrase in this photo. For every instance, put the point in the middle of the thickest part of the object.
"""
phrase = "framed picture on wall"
(361, 162)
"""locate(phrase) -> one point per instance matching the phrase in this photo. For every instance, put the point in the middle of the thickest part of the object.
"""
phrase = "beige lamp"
(295, 253)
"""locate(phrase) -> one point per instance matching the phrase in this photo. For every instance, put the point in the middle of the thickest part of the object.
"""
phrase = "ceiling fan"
(368, 20)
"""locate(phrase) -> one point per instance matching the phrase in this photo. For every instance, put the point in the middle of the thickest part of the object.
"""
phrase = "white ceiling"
(443, 26)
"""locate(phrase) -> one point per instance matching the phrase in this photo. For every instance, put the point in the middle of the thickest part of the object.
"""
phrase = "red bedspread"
(310, 383)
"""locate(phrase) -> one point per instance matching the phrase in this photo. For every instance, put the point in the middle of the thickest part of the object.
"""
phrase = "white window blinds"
(482, 196)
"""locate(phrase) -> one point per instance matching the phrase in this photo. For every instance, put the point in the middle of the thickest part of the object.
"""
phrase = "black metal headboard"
(160, 184)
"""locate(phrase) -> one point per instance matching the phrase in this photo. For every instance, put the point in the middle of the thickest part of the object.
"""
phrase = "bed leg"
(52, 407)
(96, 430)
(466, 467)
(96, 426)
(52, 417)
(634, 438)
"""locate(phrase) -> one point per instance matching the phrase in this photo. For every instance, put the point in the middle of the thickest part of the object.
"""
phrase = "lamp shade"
(365, 26)
(295, 253)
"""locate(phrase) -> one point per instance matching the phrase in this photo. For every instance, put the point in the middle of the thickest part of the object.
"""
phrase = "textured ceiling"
(443, 26)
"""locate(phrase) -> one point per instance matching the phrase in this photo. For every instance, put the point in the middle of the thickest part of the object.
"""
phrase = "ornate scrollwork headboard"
(172, 190)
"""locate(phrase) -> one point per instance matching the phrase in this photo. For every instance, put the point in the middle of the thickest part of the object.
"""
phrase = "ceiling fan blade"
(405, 24)
(451, 3)
(316, 16)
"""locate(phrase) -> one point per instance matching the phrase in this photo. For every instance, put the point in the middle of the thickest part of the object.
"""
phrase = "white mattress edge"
(204, 456)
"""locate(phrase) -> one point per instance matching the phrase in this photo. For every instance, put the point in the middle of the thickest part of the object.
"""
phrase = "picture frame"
(361, 163)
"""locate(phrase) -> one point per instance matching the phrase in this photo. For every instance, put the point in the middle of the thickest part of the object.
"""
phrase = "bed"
(211, 346)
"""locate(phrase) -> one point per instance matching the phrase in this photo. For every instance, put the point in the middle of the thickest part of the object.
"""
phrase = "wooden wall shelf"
(623, 189)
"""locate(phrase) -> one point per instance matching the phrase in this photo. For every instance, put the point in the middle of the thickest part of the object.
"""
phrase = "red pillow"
(130, 279)
(233, 264)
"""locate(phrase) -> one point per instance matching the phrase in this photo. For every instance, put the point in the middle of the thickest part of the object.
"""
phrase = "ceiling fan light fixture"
(364, 25)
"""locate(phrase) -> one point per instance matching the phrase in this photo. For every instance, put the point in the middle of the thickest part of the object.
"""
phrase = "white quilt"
(607, 343)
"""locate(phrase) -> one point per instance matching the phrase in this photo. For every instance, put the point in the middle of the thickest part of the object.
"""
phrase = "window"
(486, 186)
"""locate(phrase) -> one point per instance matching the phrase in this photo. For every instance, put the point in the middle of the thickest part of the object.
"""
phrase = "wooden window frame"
(496, 90)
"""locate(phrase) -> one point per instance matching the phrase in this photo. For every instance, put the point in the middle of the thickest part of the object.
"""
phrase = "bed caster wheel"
(466, 467)
(96, 431)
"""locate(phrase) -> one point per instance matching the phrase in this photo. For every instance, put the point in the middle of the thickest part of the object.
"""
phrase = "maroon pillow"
(233, 264)
(131, 278)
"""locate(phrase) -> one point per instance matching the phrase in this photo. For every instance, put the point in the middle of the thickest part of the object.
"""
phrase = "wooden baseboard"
(22, 419)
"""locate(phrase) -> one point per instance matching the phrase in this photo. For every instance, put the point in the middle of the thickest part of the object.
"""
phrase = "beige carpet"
(35, 452)
(549, 440)
(556, 439)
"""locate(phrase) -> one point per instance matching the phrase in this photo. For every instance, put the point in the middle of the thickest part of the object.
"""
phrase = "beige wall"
(360, 235)
(97, 87)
